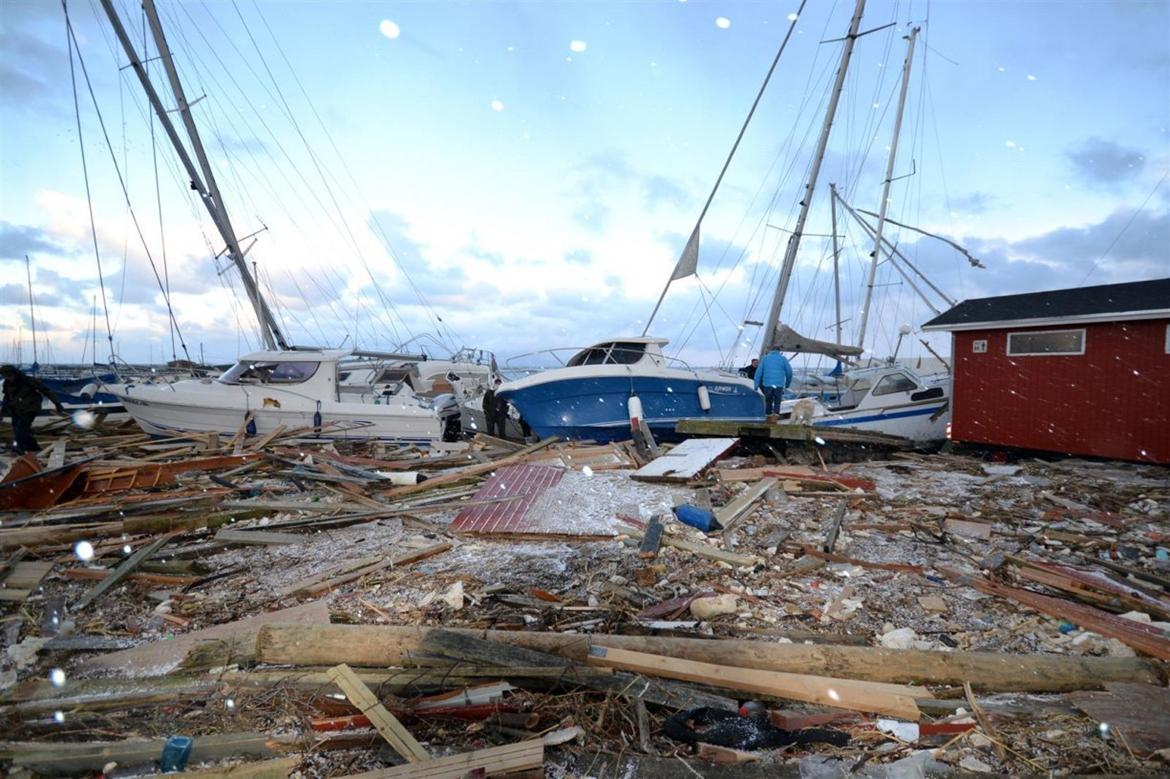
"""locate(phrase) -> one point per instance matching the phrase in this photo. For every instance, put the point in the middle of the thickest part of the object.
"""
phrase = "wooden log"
(277, 768)
(385, 645)
(879, 697)
(462, 646)
(702, 550)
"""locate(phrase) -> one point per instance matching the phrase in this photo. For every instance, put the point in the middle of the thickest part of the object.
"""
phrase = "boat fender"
(704, 398)
(317, 417)
(88, 391)
(250, 427)
(634, 404)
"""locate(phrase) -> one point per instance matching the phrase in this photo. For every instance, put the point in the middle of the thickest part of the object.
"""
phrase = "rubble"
(302, 608)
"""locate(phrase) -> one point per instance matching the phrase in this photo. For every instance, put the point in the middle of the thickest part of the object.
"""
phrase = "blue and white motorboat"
(589, 397)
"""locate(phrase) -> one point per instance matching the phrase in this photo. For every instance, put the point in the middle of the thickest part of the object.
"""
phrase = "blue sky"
(529, 172)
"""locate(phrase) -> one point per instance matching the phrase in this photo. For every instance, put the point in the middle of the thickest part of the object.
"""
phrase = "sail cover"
(788, 340)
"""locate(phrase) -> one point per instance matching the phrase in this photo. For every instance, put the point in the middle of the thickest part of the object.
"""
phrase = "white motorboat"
(268, 390)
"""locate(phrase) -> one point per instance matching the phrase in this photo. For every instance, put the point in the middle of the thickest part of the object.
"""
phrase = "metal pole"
(877, 241)
(836, 258)
(794, 239)
(31, 316)
(208, 194)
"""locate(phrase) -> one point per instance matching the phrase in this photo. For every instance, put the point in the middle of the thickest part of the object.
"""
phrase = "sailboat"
(314, 390)
(597, 391)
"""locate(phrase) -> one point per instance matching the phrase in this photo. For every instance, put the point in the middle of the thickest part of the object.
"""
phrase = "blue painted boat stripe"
(860, 420)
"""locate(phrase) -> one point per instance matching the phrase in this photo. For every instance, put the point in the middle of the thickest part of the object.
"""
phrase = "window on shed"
(1046, 342)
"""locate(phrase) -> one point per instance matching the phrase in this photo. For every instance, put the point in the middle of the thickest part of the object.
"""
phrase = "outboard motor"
(447, 407)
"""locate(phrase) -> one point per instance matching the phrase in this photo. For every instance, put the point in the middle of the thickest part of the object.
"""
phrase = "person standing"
(23, 397)
(773, 376)
(495, 411)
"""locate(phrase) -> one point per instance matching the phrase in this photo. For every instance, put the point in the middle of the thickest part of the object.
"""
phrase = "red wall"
(1111, 401)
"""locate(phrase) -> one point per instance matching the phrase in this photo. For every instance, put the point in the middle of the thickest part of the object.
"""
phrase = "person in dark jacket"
(750, 370)
(495, 411)
(23, 398)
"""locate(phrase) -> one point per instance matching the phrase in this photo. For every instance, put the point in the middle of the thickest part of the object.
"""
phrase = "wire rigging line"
(85, 171)
(121, 182)
(440, 324)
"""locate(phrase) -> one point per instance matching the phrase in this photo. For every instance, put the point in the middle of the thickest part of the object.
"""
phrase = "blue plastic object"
(697, 518)
(175, 754)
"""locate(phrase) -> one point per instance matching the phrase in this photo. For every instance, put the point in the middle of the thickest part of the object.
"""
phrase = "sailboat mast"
(836, 260)
(794, 239)
(31, 316)
(877, 240)
(205, 185)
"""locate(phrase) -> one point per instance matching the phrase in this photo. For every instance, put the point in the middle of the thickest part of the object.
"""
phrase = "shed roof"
(1103, 303)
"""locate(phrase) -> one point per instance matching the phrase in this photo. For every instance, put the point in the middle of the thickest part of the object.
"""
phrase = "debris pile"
(291, 607)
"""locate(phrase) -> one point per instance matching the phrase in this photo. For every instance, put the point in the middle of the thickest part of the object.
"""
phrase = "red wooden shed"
(1082, 371)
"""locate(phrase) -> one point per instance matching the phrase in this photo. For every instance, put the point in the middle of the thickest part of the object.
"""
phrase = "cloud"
(582, 257)
(18, 240)
(1104, 162)
(975, 203)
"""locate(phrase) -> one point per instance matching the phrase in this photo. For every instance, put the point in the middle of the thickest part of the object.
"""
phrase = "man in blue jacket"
(773, 376)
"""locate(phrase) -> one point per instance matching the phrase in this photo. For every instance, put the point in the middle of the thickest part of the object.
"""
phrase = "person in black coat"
(23, 398)
(495, 411)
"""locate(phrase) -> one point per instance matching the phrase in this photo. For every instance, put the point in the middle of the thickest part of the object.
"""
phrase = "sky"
(523, 176)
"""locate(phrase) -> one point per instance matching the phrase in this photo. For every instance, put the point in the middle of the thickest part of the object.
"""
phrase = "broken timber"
(787, 432)
(685, 461)
(883, 698)
(385, 722)
(386, 645)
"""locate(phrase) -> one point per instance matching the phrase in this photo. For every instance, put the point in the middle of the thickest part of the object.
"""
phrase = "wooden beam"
(891, 699)
(738, 508)
(387, 645)
(700, 549)
(492, 761)
(386, 723)
(120, 573)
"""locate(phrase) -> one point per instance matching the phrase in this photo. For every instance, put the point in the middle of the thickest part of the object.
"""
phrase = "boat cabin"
(873, 383)
(624, 352)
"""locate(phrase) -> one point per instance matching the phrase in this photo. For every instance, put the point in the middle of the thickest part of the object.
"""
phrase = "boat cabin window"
(619, 353)
(270, 372)
(895, 382)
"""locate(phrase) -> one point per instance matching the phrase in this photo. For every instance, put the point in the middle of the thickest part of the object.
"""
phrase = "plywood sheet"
(687, 460)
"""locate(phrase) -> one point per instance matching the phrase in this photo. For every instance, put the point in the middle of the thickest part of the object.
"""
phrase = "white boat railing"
(563, 354)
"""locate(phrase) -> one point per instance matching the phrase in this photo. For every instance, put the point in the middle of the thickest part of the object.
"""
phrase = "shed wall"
(1112, 401)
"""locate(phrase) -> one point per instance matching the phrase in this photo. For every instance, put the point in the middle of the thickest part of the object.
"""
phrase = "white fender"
(634, 404)
(401, 478)
(704, 398)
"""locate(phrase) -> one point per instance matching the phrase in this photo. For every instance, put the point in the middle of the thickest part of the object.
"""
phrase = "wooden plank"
(710, 552)
(879, 697)
(261, 537)
(651, 540)
(738, 508)
(62, 759)
(462, 646)
(686, 461)
(493, 761)
(1144, 638)
(120, 573)
(27, 575)
(385, 722)
(337, 570)
(961, 527)
(1139, 712)
(277, 768)
(402, 559)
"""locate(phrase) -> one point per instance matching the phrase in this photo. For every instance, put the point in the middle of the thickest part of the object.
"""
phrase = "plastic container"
(175, 754)
(697, 518)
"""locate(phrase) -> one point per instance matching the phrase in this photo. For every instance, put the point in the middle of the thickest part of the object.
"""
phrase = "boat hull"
(920, 422)
(596, 407)
(197, 407)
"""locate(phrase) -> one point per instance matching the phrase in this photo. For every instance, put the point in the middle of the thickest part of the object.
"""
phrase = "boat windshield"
(617, 353)
(895, 382)
(247, 372)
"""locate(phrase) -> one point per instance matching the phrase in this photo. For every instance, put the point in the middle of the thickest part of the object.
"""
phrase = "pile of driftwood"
(286, 606)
